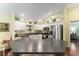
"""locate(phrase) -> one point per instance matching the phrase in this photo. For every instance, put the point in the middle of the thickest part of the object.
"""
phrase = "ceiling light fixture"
(22, 15)
(39, 19)
(50, 13)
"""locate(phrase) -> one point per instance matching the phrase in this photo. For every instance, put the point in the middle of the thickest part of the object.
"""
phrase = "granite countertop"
(46, 45)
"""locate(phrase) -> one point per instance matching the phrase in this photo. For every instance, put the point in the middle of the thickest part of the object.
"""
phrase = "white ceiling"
(31, 10)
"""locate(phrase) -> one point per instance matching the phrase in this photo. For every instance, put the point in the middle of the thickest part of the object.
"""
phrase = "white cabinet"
(19, 26)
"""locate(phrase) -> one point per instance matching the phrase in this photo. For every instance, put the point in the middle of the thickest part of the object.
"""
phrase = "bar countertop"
(37, 46)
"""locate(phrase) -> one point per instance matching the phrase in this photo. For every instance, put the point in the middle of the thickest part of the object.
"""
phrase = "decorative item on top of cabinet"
(30, 22)
(54, 20)
(17, 18)
(4, 27)
(29, 27)
(35, 22)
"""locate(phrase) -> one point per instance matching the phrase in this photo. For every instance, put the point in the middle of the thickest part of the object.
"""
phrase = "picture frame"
(4, 27)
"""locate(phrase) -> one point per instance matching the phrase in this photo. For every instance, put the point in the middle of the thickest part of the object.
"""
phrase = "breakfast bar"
(31, 46)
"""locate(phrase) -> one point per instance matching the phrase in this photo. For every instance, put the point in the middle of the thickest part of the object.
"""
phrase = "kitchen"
(33, 36)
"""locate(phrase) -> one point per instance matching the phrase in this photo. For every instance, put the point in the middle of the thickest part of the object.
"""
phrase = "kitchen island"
(31, 46)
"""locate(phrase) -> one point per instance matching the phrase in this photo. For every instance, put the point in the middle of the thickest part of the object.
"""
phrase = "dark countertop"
(38, 46)
(27, 34)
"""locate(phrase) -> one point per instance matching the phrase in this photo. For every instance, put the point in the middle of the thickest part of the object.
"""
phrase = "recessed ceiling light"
(50, 13)
(39, 19)
(22, 15)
